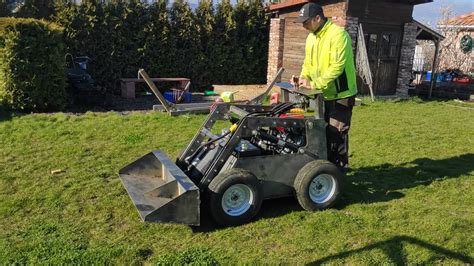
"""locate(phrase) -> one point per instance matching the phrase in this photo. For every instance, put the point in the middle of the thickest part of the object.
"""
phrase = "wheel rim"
(237, 200)
(322, 188)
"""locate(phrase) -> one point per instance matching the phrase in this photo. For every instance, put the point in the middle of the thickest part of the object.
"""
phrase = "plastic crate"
(170, 97)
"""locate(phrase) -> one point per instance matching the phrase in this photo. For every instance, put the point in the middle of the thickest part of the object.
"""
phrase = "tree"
(222, 43)
(258, 26)
(40, 9)
(4, 12)
(205, 23)
(240, 50)
(188, 50)
(129, 31)
(158, 49)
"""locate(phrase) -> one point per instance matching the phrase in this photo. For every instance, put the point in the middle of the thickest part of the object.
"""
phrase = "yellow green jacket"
(329, 62)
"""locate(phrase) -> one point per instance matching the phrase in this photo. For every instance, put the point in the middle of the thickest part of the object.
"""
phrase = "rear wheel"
(235, 197)
(318, 185)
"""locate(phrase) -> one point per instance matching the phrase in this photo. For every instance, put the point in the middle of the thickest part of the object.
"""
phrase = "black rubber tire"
(221, 183)
(304, 179)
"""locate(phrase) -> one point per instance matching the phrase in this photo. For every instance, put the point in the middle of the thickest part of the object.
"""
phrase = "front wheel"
(235, 197)
(318, 185)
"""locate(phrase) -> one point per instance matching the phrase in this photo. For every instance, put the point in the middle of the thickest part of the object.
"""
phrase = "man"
(329, 66)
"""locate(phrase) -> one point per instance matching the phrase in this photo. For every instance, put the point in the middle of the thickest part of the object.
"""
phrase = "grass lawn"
(408, 198)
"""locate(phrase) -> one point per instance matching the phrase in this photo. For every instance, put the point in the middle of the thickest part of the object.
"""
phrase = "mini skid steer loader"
(267, 152)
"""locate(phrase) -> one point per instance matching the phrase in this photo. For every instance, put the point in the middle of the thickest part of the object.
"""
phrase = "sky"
(430, 13)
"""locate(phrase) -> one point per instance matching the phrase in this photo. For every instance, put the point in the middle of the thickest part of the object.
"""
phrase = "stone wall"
(275, 47)
(352, 27)
(406, 59)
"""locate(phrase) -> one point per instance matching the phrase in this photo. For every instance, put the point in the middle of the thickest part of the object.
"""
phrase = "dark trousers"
(338, 114)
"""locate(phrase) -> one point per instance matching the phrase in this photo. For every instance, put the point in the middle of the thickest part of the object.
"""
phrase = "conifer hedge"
(219, 44)
(32, 70)
(3, 8)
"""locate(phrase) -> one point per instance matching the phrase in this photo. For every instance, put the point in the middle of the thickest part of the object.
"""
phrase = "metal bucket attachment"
(161, 191)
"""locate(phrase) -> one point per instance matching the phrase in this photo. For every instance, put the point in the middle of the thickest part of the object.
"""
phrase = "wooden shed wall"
(293, 51)
(381, 11)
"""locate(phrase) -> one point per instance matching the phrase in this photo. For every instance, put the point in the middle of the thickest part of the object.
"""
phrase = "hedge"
(3, 8)
(32, 69)
(219, 44)
(212, 44)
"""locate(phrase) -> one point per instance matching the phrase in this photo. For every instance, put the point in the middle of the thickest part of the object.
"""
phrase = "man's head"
(312, 17)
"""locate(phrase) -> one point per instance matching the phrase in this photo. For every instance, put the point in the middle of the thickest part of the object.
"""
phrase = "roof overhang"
(412, 2)
(426, 33)
(292, 3)
(457, 27)
(287, 3)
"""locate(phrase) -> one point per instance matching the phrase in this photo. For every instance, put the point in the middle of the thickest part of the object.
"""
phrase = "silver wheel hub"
(237, 200)
(322, 188)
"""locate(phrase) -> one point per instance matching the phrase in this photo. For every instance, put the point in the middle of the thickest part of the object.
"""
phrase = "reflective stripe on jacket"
(329, 62)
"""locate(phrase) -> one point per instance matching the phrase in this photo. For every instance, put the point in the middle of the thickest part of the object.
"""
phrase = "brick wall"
(406, 59)
(275, 47)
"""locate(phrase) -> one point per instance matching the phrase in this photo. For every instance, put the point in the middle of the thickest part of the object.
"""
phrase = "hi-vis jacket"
(329, 62)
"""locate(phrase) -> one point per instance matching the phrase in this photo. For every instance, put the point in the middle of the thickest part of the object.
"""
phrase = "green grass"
(408, 197)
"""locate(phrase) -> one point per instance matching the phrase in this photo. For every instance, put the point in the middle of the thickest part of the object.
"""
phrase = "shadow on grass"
(369, 185)
(270, 208)
(380, 183)
(393, 249)
(5, 115)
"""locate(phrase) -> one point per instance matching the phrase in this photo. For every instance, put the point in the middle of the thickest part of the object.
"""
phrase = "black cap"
(310, 10)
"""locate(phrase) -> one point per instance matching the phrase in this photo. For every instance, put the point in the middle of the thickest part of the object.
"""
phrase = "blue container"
(440, 77)
(170, 97)
(428, 76)
(449, 77)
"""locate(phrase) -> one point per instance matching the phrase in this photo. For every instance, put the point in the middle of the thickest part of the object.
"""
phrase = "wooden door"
(383, 49)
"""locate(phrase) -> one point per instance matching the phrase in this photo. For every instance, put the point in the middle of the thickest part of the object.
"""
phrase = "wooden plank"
(294, 52)
(299, 45)
(293, 61)
(293, 70)
(289, 67)
(293, 57)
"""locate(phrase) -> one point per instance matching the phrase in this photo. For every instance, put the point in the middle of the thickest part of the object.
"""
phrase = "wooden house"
(389, 29)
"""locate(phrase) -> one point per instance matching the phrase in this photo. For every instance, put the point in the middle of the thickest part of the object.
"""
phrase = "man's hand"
(298, 82)
(304, 83)
(295, 82)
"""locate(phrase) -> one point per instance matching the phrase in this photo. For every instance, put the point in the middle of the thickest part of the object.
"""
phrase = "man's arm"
(337, 56)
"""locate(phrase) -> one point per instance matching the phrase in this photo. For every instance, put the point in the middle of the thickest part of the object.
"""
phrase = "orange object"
(297, 111)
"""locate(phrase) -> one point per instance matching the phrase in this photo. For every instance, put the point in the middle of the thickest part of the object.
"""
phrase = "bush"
(39, 9)
(210, 45)
(32, 68)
